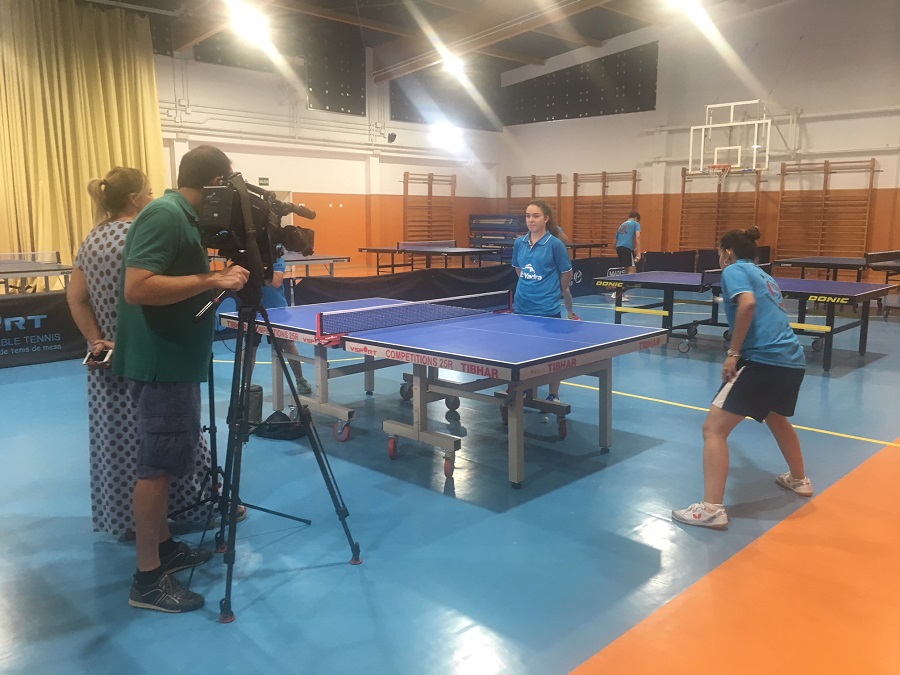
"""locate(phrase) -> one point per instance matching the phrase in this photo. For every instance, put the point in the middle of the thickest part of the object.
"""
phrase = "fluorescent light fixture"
(248, 22)
(447, 137)
(454, 65)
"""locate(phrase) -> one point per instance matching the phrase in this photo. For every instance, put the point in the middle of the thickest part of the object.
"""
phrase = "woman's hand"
(98, 346)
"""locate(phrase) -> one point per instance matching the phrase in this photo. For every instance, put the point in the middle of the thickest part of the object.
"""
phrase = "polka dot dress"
(112, 418)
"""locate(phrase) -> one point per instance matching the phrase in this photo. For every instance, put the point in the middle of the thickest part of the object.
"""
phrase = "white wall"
(832, 64)
(262, 122)
(829, 62)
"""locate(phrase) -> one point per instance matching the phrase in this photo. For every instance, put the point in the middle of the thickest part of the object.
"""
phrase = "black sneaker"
(184, 557)
(165, 595)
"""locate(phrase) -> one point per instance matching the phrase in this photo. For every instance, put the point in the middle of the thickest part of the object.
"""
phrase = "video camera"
(230, 213)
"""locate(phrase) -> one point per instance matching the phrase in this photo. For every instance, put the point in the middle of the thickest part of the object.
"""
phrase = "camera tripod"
(239, 429)
(209, 484)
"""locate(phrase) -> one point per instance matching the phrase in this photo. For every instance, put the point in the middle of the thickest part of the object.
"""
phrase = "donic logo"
(529, 273)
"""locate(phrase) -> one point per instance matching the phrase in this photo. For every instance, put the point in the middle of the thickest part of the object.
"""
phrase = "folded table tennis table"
(514, 352)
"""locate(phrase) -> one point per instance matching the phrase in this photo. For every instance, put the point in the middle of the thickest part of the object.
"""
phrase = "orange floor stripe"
(819, 593)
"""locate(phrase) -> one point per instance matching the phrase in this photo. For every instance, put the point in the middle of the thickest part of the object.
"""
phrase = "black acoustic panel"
(612, 85)
(432, 95)
(336, 71)
(161, 27)
(226, 49)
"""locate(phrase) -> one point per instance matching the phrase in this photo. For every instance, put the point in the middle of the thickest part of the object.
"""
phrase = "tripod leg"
(238, 432)
(340, 508)
(305, 418)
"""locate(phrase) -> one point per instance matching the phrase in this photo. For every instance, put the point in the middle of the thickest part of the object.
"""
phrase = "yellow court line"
(694, 407)
(672, 403)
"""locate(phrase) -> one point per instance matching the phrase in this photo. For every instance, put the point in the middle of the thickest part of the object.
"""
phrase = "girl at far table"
(544, 269)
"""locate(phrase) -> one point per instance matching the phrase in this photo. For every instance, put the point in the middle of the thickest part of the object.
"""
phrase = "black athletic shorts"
(626, 256)
(760, 389)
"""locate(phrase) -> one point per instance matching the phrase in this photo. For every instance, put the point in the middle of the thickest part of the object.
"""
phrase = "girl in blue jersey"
(544, 269)
(760, 378)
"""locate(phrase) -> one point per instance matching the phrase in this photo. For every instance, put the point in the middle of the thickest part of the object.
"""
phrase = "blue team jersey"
(538, 290)
(626, 233)
(770, 340)
(272, 297)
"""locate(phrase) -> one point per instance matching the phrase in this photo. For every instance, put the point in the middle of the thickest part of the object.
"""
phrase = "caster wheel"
(452, 402)
(504, 415)
(392, 448)
(562, 427)
(727, 335)
(692, 331)
(448, 468)
(684, 346)
(818, 345)
(406, 391)
(341, 431)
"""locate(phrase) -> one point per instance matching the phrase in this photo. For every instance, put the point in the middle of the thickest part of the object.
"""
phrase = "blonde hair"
(110, 194)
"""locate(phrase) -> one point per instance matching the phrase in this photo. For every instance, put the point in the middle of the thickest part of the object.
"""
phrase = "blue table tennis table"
(876, 260)
(831, 294)
(513, 352)
(426, 249)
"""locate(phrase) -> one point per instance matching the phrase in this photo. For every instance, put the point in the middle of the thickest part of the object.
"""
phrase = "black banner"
(585, 270)
(37, 328)
(414, 286)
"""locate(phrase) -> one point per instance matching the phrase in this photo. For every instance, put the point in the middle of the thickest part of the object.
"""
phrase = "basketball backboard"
(734, 133)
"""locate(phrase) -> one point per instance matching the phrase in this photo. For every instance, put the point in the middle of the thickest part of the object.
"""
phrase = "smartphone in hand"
(96, 359)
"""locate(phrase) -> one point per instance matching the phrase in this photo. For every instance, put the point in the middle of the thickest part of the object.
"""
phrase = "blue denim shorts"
(168, 426)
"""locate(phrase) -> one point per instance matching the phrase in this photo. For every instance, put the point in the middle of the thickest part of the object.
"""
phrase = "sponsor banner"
(38, 328)
(292, 335)
(404, 356)
(564, 365)
(585, 270)
(829, 299)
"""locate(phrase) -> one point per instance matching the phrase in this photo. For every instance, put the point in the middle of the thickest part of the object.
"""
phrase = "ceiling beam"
(393, 29)
(632, 11)
(561, 31)
(471, 31)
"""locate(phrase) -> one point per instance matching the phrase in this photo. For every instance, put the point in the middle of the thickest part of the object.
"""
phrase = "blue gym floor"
(461, 575)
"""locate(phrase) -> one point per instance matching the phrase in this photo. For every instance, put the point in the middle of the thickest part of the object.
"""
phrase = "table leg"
(864, 328)
(604, 388)
(829, 337)
(516, 439)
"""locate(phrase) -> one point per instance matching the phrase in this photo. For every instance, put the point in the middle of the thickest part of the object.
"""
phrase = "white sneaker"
(802, 486)
(696, 514)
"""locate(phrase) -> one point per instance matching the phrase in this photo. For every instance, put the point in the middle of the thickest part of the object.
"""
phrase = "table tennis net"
(386, 316)
(51, 257)
(443, 243)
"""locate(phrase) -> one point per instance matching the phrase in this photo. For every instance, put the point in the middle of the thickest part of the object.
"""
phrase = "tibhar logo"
(529, 273)
(21, 322)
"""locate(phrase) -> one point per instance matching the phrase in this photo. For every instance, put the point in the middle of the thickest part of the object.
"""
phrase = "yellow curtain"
(77, 97)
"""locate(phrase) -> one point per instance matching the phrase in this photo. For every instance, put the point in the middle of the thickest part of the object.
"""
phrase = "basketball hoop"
(719, 171)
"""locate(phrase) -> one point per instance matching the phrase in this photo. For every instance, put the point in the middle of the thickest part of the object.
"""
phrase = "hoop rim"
(719, 167)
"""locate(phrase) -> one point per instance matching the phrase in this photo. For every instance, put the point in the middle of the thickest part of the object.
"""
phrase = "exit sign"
(263, 181)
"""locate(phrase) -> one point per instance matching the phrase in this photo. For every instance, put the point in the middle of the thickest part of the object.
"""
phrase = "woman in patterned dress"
(112, 422)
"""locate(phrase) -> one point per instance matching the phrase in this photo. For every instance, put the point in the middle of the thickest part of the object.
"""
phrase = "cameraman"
(164, 354)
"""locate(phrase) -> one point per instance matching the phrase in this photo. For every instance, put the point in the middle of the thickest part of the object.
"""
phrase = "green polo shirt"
(163, 343)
